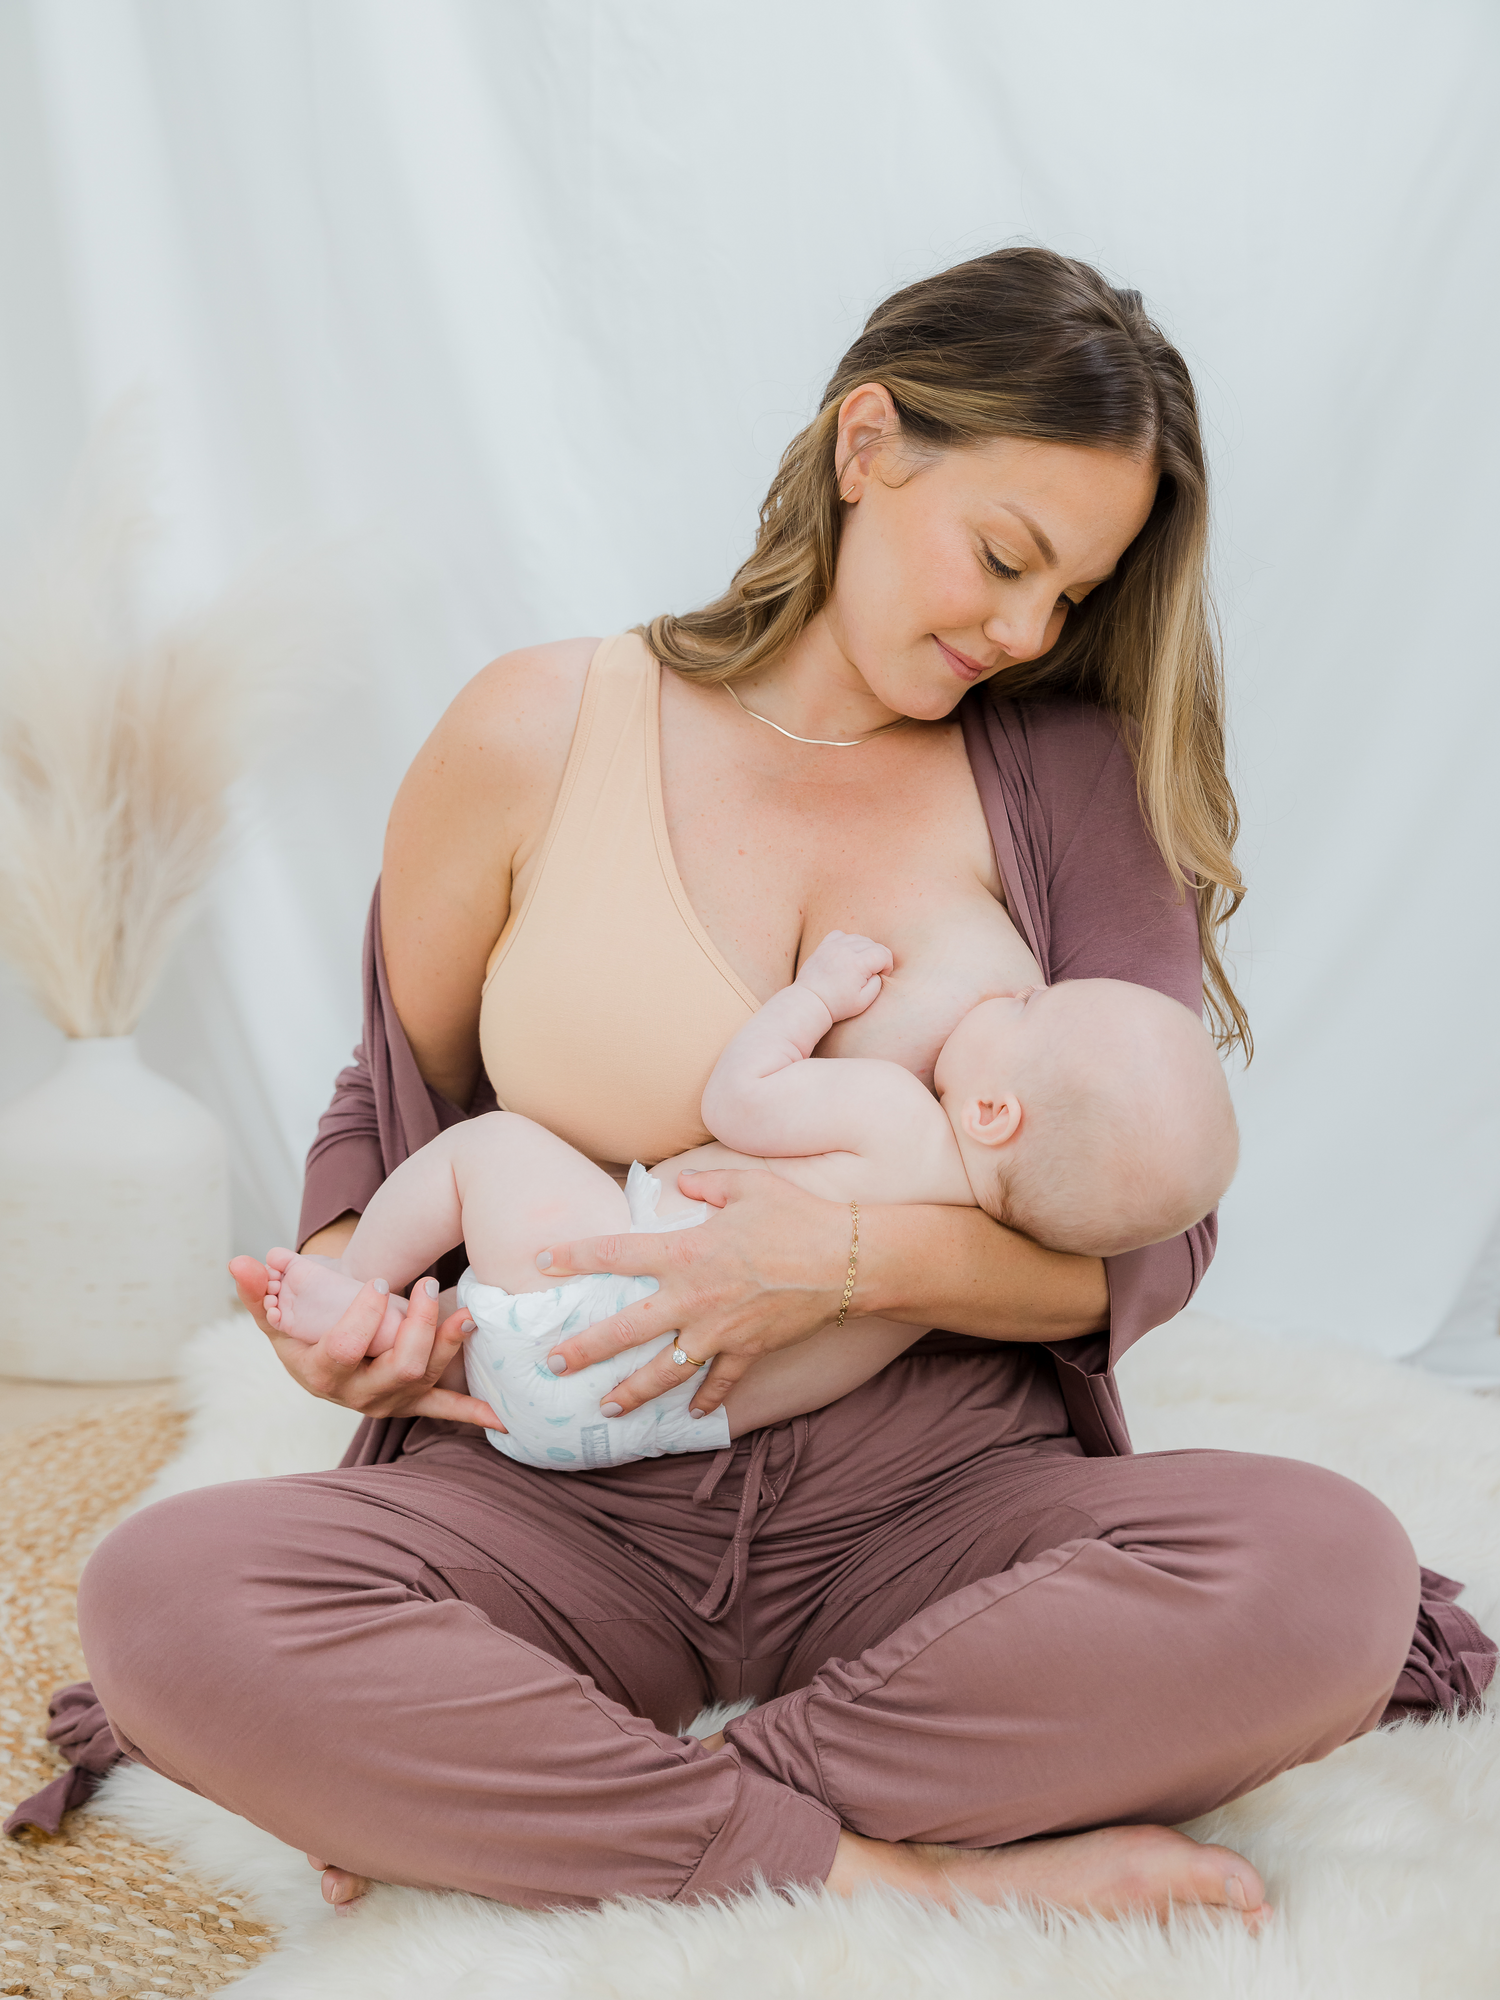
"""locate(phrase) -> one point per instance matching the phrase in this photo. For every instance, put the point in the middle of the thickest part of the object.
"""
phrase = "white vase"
(114, 1220)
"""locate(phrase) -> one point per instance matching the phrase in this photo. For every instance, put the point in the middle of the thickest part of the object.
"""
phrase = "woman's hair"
(1024, 343)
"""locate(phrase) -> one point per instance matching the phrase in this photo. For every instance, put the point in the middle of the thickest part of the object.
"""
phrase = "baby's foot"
(307, 1295)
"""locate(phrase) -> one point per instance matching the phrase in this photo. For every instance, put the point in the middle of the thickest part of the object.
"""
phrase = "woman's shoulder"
(506, 733)
(474, 803)
(526, 699)
(493, 765)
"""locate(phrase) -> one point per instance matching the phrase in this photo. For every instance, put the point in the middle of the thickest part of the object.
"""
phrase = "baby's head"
(1093, 1116)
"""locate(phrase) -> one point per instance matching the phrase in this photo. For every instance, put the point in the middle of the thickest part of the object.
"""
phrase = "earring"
(848, 498)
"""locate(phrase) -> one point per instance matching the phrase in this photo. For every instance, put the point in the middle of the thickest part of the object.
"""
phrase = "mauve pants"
(459, 1672)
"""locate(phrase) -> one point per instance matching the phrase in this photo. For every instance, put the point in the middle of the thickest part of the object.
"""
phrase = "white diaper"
(553, 1421)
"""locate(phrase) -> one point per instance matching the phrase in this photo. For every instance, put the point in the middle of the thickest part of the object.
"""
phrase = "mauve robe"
(1090, 893)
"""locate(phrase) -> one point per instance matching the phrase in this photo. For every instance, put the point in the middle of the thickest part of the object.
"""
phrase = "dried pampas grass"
(121, 736)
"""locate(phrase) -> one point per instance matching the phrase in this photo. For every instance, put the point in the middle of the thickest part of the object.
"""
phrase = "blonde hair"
(1025, 343)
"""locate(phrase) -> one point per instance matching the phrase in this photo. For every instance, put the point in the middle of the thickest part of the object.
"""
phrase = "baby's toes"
(390, 1328)
(277, 1261)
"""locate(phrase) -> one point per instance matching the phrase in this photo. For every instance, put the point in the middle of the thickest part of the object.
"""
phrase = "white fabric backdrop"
(534, 294)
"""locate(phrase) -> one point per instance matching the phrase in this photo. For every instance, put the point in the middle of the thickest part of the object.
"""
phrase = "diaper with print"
(553, 1421)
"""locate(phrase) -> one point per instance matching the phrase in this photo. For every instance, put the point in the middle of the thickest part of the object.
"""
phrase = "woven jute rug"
(92, 1911)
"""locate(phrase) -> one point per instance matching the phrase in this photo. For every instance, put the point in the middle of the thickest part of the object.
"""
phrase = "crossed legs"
(429, 1685)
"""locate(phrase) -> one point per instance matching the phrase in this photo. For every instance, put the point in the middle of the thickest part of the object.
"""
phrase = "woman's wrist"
(924, 1265)
(851, 1276)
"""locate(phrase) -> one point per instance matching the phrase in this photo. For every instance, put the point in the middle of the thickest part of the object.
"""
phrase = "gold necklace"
(817, 742)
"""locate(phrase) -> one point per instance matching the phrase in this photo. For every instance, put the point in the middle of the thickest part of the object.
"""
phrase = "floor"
(26, 1404)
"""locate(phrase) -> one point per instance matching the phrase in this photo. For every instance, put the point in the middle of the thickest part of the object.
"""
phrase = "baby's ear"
(992, 1121)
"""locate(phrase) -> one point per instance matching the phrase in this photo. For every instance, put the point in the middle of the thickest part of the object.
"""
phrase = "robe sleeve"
(381, 1112)
(1088, 888)
(344, 1165)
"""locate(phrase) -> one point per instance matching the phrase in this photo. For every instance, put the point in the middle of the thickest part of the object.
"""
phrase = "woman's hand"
(766, 1272)
(402, 1382)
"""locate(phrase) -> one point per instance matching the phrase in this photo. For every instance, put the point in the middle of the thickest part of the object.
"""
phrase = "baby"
(1093, 1116)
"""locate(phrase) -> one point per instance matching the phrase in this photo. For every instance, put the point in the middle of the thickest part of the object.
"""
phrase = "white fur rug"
(1383, 1861)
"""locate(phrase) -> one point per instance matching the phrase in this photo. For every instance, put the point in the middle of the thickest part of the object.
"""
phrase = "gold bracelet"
(853, 1261)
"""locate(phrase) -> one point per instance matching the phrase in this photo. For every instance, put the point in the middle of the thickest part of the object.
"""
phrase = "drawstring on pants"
(758, 1501)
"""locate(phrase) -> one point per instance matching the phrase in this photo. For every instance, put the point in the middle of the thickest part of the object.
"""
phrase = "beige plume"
(121, 736)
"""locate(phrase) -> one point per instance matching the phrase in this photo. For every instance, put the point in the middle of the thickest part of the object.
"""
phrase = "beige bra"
(605, 1002)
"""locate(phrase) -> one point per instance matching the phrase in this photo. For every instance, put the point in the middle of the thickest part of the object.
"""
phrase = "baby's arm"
(887, 1137)
(815, 1373)
(764, 1096)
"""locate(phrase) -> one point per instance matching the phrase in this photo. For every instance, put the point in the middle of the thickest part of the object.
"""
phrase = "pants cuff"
(772, 1835)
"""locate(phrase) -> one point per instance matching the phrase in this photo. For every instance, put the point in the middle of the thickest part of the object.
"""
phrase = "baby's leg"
(519, 1187)
(500, 1184)
(411, 1219)
(814, 1373)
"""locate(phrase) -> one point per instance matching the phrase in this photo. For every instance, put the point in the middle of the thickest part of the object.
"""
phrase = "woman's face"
(954, 567)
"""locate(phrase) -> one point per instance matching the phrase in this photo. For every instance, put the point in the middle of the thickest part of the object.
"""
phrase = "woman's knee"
(1338, 1574)
(155, 1603)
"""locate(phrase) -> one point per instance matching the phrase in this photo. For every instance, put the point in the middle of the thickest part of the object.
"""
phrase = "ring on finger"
(683, 1359)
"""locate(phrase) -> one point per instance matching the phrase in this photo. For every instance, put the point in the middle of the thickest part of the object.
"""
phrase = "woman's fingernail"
(544, 1260)
(467, 1327)
(430, 1287)
(1234, 1891)
(611, 1410)
(557, 1364)
(690, 1170)
(381, 1285)
(695, 1413)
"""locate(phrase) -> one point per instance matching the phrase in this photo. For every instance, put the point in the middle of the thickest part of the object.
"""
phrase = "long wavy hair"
(1025, 343)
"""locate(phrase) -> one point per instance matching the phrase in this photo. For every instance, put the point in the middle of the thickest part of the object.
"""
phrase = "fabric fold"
(1451, 1662)
(80, 1730)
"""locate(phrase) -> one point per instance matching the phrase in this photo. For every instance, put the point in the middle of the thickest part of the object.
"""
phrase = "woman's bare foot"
(1112, 1872)
(340, 1888)
(305, 1296)
(1117, 1871)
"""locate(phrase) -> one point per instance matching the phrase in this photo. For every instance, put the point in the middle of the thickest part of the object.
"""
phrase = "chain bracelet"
(853, 1262)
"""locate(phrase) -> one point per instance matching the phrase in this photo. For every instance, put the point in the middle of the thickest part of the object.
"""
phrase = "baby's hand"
(845, 972)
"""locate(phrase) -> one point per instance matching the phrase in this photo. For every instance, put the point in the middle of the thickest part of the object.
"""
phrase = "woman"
(969, 1616)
